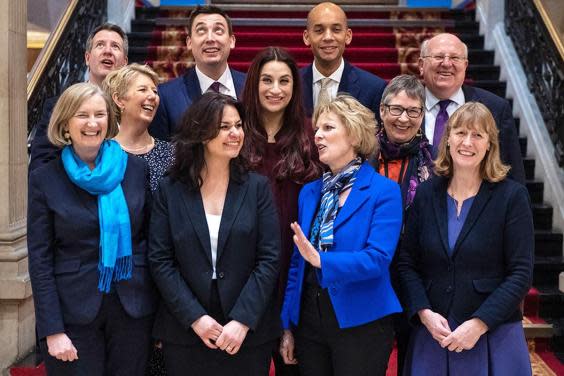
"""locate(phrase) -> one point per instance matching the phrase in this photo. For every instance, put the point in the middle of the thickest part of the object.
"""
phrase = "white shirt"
(432, 109)
(333, 86)
(226, 82)
(213, 226)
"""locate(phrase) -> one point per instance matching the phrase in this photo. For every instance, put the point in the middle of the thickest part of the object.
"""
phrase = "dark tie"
(215, 87)
(440, 123)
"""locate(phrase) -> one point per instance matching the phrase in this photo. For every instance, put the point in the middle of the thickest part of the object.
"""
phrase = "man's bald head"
(328, 9)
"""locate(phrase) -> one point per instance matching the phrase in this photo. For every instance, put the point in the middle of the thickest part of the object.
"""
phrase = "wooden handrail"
(47, 51)
(550, 27)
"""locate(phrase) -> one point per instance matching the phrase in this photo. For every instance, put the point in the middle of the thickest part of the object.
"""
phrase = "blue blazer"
(355, 269)
(248, 249)
(490, 268)
(176, 96)
(366, 87)
(63, 239)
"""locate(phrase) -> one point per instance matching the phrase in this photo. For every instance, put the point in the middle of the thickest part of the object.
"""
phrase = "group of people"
(228, 220)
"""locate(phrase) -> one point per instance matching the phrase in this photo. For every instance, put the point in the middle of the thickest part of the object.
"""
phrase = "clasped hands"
(228, 338)
(462, 338)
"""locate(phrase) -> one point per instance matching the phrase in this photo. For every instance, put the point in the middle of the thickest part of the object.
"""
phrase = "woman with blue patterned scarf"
(93, 294)
(339, 298)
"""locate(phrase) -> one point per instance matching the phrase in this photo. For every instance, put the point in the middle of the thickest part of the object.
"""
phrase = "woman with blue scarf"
(94, 298)
(339, 297)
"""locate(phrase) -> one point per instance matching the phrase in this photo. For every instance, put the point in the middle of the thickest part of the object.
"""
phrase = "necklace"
(140, 149)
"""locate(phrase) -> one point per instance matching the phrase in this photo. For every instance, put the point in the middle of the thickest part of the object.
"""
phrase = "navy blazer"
(366, 87)
(63, 239)
(177, 95)
(509, 147)
(246, 266)
(490, 269)
(355, 268)
(42, 150)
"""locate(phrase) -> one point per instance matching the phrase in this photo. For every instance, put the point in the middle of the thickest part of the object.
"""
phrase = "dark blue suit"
(63, 244)
(366, 87)
(176, 96)
(43, 151)
(489, 270)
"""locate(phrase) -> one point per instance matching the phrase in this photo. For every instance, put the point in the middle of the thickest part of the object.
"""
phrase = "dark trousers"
(114, 344)
(281, 368)
(323, 349)
(403, 331)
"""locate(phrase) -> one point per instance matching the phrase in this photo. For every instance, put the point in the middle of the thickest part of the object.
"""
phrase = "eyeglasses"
(440, 58)
(412, 112)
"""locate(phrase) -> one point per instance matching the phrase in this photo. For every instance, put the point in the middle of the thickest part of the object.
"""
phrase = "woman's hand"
(307, 250)
(465, 336)
(435, 323)
(232, 337)
(60, 346)
(208, 330)
(287, 348)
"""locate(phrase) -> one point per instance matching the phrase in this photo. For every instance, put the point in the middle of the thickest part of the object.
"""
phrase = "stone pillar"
(17, 320)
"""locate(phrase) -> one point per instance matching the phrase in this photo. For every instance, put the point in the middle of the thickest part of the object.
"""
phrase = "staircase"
(385, 42)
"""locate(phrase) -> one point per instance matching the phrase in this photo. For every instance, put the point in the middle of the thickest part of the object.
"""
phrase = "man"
(327, 34)
(210, 38)
(106, 50)
(442, 64)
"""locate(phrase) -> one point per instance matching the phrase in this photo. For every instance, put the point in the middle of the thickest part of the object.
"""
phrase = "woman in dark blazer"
(466, 258)
(214, 250)
(87, 217)
(339, 298)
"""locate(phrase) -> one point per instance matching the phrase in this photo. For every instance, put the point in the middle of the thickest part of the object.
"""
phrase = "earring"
(448, 145)
(66, 136)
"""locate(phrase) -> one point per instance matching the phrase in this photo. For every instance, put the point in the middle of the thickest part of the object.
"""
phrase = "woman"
(466, 257)
(339, 297)
(92, 290)
(280, 146)
(405, 157)
(214, 250)
(133, 89)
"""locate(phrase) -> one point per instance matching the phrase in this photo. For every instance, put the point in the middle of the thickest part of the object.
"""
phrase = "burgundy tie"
(440, 123)
(215, 87)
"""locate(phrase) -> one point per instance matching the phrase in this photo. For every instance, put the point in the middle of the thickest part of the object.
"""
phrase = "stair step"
(535, 188)
(551, 302)
(548, 243)
(542, 216)
(540, 330)
(523, 146)
(493, 86)
(546, 271)
(529, 164)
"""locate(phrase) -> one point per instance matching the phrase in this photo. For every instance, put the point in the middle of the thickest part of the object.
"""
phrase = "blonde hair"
(117, 82)
(68, 104)
(473, 115)
(358, 120)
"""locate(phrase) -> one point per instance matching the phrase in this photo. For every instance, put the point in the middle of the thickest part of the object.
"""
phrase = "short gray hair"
(405, 82)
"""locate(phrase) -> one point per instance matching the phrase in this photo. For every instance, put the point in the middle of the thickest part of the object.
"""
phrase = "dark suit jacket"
(366, 87)
(43, 151)
(247, 259)
(63, 237)
(490, 269)
(176, 96)
(508, 137)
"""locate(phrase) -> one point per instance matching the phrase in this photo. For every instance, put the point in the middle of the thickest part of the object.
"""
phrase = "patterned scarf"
(420, 164)
(322, 230)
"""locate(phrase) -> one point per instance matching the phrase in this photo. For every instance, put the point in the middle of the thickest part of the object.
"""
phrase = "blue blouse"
(456, 221)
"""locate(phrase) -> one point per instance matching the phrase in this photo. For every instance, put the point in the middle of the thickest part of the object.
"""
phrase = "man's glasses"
(440, 58)
(412, 112)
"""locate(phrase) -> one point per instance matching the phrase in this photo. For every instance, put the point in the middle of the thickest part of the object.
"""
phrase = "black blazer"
(490, 270)
(246, 266)
(43, 151)
(63, 239)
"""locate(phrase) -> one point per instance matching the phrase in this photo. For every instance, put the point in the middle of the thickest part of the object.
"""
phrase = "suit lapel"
(236, 192)
(440, 209)
(358, 196)
(88, 201)
(307, 77)
(193, 89)
(482, 198)
(349, 81)
(311, 201)
(238, 82)
(197, 215)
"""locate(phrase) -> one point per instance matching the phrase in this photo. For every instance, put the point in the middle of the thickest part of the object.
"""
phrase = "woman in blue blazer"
(466, 258)
(87, 217)
(339, 297)
(214, 249)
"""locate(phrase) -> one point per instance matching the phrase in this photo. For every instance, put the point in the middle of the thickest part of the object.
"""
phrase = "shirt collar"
(336, 76)
(431, 101)
(206, 82)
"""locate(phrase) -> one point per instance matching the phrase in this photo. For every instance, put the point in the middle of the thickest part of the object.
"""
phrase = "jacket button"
(220, 275)
(449, 289)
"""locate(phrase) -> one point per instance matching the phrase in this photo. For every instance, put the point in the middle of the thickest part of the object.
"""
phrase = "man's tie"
(440, 123)
(324, 96)
(215, 87)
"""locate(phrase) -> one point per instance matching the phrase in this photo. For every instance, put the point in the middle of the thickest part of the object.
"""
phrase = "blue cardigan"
(355, 269)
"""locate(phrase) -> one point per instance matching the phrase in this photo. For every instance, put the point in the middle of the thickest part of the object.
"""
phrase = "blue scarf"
(322, 230)
(104, 181)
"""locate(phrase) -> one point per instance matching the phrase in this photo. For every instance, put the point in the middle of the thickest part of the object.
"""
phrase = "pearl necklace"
(140, 149)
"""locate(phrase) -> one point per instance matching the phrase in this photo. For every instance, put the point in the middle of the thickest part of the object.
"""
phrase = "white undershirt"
(213, 227)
